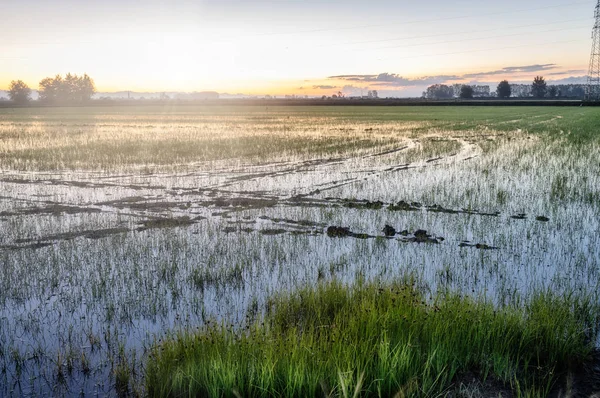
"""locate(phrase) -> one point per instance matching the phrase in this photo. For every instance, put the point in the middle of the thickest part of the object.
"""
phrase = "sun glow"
(273, 49)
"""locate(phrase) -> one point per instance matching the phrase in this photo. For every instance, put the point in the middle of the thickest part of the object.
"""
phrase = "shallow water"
(97, 265)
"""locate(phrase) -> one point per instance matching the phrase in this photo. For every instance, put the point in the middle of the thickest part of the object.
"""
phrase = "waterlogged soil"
(224, 207)
(98, 266)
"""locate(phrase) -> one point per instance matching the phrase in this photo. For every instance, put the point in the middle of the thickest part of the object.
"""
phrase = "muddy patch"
(145, 204)
(36, 245)
(389, 231)
(28, 243)
(343, 232)
(480, 246)
(160, 223)
(51, 209)
(420, 236)
(231, 230)
(246, 203)
(273, 231)
(520, 216)
(300, 223)
(77, 184)
(377, 205)
(404, 206)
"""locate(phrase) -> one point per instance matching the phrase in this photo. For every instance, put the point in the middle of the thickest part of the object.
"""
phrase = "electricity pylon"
(593, 83)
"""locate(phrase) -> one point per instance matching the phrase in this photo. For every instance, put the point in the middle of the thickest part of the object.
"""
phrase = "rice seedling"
(122, 226)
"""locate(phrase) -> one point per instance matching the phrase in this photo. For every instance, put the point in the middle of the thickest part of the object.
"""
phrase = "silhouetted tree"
(553, 92)
(50, 89)
(71, 89)
(503, 90)
(466, 92)
(439, 91)
(19, 92)
(539, 87)
(87, 88)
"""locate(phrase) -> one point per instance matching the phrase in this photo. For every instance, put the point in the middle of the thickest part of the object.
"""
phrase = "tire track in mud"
(469, 150)
(77, 184)
(305, 166)
(188, 203)
(224, 207)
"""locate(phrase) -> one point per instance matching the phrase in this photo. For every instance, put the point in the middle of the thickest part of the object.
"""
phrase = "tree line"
(71, 89)
(538, 89)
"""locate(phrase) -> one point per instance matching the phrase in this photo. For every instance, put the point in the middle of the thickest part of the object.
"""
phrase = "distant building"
(520, 90)
(562, 90)
(479, 91)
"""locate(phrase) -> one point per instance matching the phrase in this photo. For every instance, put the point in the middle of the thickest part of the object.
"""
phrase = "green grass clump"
(377, 340)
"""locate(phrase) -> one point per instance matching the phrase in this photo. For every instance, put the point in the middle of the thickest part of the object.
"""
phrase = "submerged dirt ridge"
(223, 200)
(151, 212)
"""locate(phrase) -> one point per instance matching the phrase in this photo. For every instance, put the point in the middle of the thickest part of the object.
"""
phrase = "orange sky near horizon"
(293, 47)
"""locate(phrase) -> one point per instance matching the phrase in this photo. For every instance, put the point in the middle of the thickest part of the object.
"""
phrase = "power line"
(413, 22)
(486, 49)
(473, 39)
(453, 34)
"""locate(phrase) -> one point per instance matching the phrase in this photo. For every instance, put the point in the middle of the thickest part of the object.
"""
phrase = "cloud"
(511, 70)
(399, 81)
(394, 80)
(324, 87)
(570, 80)
(568, 72)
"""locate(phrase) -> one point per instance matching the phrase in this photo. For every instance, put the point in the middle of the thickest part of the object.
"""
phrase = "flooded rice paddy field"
(119, 226)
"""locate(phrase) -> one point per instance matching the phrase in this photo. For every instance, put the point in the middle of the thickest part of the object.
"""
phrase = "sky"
(302, 47)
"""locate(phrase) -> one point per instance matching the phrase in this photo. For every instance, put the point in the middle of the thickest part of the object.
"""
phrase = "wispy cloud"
(511, 70)
(570, 80)
(394, 80)
(324, 87)
(568, 72)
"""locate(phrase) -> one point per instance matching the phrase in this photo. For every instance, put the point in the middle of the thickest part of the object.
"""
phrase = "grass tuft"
(378, 340)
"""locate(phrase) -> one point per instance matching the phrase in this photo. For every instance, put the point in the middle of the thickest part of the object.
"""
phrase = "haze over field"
(294, 47)
(224, 198)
